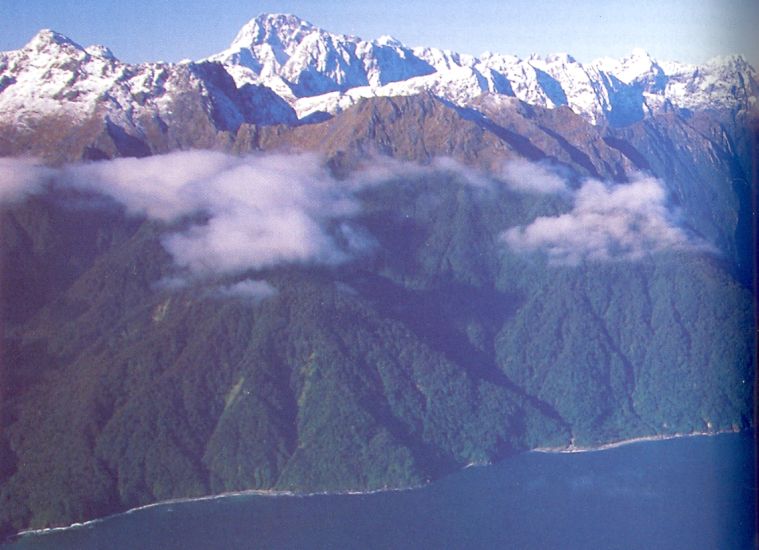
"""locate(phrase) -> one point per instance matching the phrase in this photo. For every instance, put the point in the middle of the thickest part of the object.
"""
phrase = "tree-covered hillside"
(435, 344)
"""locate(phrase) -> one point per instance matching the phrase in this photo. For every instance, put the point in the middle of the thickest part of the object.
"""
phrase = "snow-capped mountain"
(319, 71)
(283, 70)
(310, 61)
(55, 79)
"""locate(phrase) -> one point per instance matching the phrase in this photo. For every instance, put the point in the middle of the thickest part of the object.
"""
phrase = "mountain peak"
(560, 57)
(47, 38)
(638, 66)
(272, 28)
(279, 19)
(98, 50)
(317, 71)
(734, 61)
(638, 53)
(387, 40)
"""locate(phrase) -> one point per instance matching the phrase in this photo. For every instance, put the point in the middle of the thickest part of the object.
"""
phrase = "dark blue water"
(688, 493)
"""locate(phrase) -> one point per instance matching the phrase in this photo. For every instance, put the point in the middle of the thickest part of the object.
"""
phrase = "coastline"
(226, 494)
(568, 449)
(572, 448)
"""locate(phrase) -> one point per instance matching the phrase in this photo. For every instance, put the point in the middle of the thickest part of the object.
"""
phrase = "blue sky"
(169, 30)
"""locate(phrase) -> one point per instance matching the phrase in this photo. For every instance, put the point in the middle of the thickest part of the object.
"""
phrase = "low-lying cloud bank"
(259, 211)
(519, 175)
(607, 222)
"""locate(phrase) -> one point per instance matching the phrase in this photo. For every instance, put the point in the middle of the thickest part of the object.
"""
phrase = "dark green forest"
(437, 348)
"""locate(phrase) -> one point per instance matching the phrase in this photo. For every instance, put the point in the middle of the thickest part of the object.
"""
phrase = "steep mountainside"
(445, 260)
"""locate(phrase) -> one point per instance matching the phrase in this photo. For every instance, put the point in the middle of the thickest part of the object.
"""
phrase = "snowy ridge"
(55, 74)
(312, 61)
(279, 66)
(317, 71)
(52, 75)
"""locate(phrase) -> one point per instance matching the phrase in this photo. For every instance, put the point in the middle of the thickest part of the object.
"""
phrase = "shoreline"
(227, 494)
(572, 448)
(568, 449)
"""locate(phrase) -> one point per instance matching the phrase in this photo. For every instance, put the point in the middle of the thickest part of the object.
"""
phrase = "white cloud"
(248, 289)
(474, 177)
(21, 177)
(624, 222)
(257, 211)
(260, 210)
(265, 210)
(531, 177)
(162, 187)
(517, 174)
(171, 283)
(357, 239)
(376, 170)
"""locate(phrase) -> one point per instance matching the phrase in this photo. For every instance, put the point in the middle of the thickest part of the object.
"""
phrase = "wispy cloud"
(260, 210)
(254, 212)
(162, 187)
(248, 289)
(531, 177)
(266, 210)
(376, 169)
(20, 178)
(607, 222)
(519, 175)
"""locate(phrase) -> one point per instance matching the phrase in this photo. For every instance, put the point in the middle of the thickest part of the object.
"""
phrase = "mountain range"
(282, 70)
(312, 262)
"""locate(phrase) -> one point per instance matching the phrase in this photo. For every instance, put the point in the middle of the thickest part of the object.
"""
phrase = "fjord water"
(690, 493)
